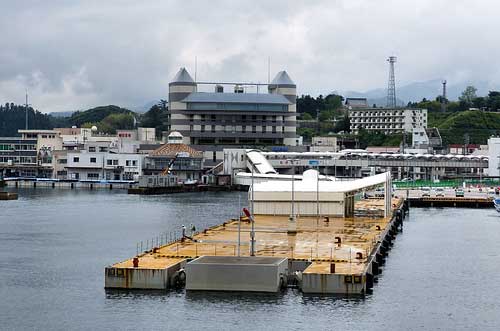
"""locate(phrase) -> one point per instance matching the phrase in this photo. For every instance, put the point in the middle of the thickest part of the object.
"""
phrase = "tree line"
(107, 119)
(13, 118)
(466, 101)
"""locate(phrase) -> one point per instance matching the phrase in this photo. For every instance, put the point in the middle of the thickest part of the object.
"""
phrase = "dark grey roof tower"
(284, 85)
(179, 88)
(391, 87)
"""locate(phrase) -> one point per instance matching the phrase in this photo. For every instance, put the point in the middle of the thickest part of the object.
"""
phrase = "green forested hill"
(96, 114)
(107, 118)
(454, 127)
(13, 118)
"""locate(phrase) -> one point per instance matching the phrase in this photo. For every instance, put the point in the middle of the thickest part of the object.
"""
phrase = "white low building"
(310, 197)
(84, 165)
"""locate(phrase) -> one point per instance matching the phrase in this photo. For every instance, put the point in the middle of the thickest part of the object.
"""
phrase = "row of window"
(242, 118)
(92, 149)
(377, 126)
(18, 159)
(17, 147)
(109, 162)
(234, 129)
(237, 106)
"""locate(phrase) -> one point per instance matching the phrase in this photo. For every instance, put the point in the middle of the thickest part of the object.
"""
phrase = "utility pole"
(466, 142)
(443, 98)
(318, 127)
(293, 192)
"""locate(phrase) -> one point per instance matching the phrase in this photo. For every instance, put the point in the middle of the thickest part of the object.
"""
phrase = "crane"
(166, 171)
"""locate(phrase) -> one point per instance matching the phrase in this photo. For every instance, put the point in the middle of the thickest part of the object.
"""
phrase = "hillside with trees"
(108, 119)
(97, 114)
(156, 117)
(13, 118)
(471, 126)
(324, 108)
(471, 119)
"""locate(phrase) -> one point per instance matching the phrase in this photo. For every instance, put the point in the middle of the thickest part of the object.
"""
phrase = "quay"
(327, 255)
(176, 189)
(50, 183)
(464, 202)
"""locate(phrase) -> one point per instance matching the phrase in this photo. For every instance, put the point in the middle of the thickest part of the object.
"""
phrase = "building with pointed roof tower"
(212, 121)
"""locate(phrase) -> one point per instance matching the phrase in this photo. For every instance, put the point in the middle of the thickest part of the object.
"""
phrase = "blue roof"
(263, 98)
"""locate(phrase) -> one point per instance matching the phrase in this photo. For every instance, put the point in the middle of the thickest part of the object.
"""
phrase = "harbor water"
(442, 274)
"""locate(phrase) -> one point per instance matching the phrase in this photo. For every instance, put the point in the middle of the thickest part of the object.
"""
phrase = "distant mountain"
(62, 113)
(144, 108)
(417, 91)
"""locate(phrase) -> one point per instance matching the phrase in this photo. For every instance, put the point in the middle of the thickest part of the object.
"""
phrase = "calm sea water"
(442, 274)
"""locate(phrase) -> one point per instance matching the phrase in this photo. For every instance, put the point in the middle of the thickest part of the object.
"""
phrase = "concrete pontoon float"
(331, 254)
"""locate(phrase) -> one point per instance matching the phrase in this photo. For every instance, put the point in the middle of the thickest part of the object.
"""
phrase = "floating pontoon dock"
(323, 255)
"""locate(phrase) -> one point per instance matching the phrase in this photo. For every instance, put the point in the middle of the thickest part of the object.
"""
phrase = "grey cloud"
(78, 54)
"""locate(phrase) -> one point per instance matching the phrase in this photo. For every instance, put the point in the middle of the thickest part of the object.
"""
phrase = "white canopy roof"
(309, 184)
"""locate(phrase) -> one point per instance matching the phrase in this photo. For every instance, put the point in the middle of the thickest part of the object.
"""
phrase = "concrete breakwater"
(318, 255)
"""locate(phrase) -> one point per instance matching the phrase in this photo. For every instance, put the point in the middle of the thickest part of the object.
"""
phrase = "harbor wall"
(68, 185)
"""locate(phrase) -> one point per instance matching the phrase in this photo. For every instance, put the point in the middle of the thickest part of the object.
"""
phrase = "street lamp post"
(317, 196)
(292, 216)
(252, 232)
(293, 191)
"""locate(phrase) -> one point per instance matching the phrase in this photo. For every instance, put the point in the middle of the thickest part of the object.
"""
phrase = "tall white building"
(388, 121)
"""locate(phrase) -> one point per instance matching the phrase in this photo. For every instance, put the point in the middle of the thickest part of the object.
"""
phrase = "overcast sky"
(78, 54)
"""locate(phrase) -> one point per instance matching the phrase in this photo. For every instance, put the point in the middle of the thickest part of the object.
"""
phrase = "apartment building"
(388, 121)
(29, 155)
(211, 120)
(74, 153)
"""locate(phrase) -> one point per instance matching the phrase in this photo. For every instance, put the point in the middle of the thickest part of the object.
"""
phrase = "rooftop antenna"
(443, 99)
(26, 105)
(391, 86)
(268, 69)
(195, 67)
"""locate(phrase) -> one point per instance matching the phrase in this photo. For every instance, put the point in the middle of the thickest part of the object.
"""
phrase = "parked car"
(379, 192)
(439, 191)
(426, 191)
(459, 193)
